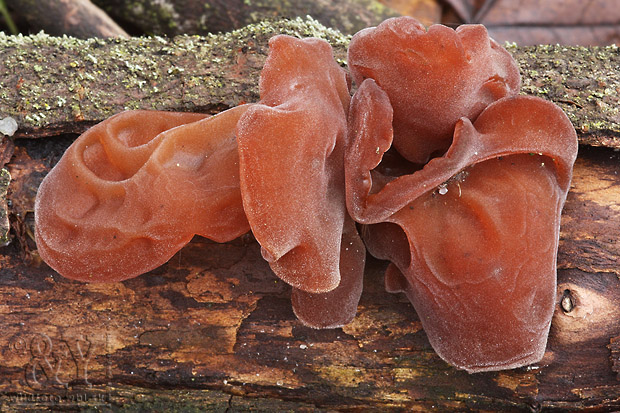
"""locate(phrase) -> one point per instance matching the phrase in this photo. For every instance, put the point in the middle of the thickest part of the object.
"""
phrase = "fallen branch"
(55, 85)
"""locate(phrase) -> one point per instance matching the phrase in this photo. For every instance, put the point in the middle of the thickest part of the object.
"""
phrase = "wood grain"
(216, 322)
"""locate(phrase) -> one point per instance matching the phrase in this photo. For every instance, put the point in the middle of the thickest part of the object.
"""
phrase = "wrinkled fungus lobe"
(134, 189)
(432, 78)
(452, 177)
(291, 149)
(291, 162)
(473, 236)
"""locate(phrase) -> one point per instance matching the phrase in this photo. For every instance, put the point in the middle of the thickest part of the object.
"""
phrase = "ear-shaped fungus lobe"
(370, 136)
(338, 307)
(482, 273)
(478, 262)
(291, 163)
(432, 78)
(134, 189)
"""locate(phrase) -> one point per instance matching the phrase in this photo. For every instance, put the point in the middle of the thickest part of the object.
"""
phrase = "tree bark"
(213, 329)
(54, 85)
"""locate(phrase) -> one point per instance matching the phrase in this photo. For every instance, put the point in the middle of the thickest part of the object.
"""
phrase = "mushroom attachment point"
(452, 177)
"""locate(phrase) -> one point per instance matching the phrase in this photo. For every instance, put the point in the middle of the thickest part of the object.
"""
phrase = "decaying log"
(213, 328)
(5, 227)
(55, 85)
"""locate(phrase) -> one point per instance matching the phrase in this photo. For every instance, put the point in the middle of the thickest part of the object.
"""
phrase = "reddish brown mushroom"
(338, 306)
(134, 189)
(291, 162)
(432, 78)
(291, 149)
(473, 236)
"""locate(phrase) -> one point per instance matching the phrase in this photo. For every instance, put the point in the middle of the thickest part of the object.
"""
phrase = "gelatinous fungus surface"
(454, 179)
(291, 149)
(432, 78)
(291, 160)
(134, 189)
(473, 236)
(338, 306)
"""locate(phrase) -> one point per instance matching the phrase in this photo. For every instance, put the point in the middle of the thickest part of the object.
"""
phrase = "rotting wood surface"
(213, 329)
(53, 85)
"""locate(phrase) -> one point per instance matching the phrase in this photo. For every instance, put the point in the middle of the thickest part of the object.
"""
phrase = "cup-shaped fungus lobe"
(291, 148)
(433, 78)
(472, 236)
(134, 189)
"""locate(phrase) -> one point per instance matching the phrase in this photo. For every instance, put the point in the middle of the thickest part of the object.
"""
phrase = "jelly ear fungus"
(472, 237)
(291, 149)
(134, 189)
(467, 212)
(432, 77)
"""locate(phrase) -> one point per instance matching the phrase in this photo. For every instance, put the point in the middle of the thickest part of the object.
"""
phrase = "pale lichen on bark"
(583, 81)
(61, 84)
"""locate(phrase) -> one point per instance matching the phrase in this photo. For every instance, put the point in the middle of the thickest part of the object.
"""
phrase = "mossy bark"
(54, 85)
(584, 82)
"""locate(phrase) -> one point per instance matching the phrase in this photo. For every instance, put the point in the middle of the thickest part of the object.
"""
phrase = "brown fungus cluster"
(446, 172)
